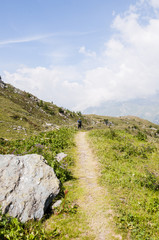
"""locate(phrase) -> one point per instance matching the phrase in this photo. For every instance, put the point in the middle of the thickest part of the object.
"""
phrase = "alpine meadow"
(79, 120)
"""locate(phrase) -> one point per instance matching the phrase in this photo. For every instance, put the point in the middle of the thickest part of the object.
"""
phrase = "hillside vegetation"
(22, 114)
(47, 144)
(128, 151)
(66, 221)
(130, 170)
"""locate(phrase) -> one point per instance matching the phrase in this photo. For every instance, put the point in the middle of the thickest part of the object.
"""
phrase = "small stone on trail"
(60, 156)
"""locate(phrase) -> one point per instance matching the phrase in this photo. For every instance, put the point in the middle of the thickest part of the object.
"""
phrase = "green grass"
(70, 220)
(12, 229)
(67, 221)
(47, 144)
(125, 122)
(130, 172)
(129, 157)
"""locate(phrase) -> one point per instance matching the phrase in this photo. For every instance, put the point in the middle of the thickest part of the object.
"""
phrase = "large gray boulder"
(27, 186)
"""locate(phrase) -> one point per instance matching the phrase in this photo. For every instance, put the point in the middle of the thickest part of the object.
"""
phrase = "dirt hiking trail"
(95, 201)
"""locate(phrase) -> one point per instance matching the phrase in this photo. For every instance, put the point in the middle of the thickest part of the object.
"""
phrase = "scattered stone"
(33, 98)
(60, 156)
(16, 90)
(28, 186)
(21, 128)
(155, 129)
(48, 124)
(56, 204)
(62, 115)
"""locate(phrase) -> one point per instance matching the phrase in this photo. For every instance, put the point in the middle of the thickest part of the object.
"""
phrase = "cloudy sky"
(81, 53)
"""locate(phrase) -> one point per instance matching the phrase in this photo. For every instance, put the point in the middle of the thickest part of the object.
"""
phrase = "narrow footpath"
(95, 202)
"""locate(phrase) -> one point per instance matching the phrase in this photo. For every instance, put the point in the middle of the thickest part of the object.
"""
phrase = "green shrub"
(79, 114)
(141, 136)
(12, 229)
(150, 181)
(41, 104)
(61, 110)
(47, 144)
(45, 106)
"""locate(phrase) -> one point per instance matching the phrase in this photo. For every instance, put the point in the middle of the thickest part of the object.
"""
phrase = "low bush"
(47, 144)
(12, 229)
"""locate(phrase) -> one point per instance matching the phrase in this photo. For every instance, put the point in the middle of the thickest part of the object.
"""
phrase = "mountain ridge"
(145, 108)
(23, 114)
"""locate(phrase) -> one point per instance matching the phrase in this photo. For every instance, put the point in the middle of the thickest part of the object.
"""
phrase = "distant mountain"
(22, 114)
(146, 108)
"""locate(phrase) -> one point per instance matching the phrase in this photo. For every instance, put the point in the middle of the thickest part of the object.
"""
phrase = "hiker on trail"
(79, 123)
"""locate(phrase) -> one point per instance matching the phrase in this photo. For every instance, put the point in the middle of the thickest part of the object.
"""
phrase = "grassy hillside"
(126, 122)
(129, 161)
(128, 149)
(22, 114)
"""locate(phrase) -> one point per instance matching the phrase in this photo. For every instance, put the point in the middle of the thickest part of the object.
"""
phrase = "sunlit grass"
(130, 172)
(67, 221)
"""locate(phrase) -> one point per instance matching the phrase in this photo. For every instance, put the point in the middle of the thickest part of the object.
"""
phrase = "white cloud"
(52, 84)
(131, 62)
(23, 40)
(87, 53)
(41, 36)
(154, 3)
(128, 68)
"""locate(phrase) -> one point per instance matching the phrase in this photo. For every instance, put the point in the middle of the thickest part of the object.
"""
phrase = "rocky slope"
(22, 114)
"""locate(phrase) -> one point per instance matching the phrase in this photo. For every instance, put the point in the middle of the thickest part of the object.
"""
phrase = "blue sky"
(80, 53)
(33, 29)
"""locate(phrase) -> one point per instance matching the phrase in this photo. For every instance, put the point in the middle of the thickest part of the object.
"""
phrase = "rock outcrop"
(28, 186)
(2, 84)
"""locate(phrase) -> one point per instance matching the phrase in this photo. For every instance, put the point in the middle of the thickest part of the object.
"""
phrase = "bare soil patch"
(95, 200)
